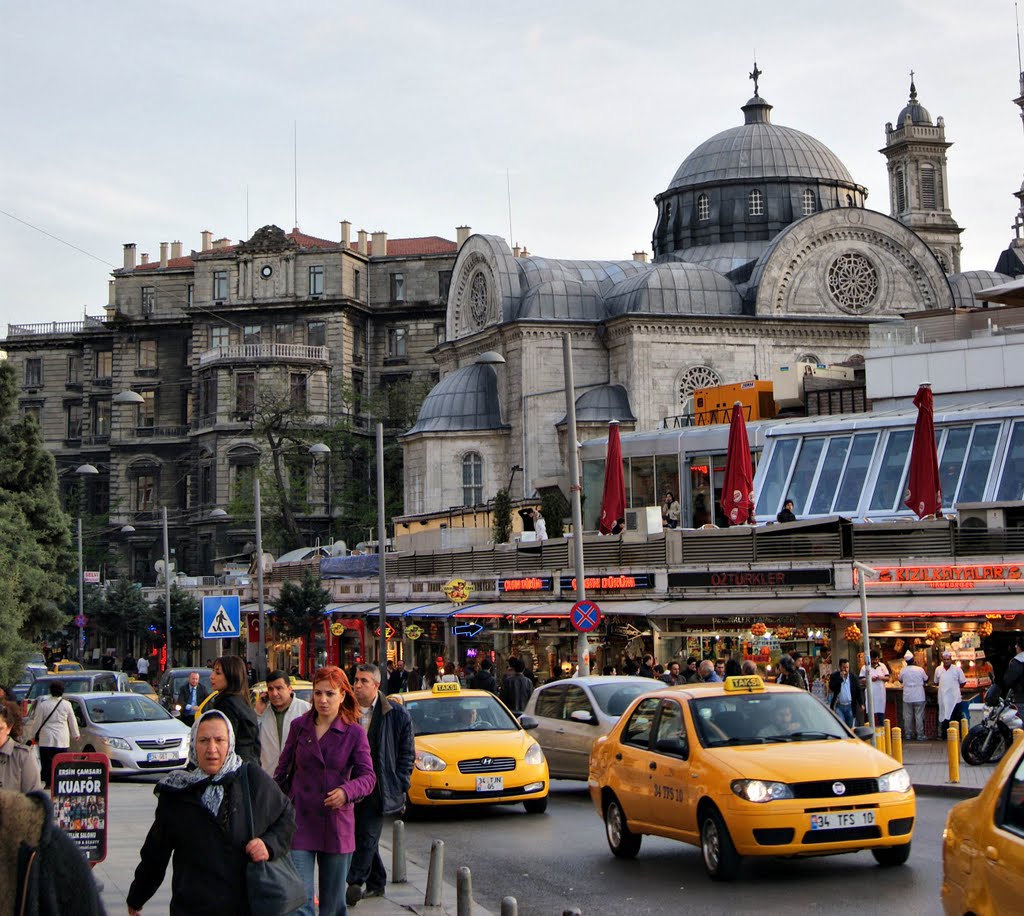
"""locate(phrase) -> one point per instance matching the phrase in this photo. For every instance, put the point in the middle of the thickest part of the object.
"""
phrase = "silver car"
(138, 735)
(573, 713)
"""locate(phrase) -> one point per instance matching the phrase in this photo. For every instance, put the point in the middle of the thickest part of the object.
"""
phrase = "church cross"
(755, 75)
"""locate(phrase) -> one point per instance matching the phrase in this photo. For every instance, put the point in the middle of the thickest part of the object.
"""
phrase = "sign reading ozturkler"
(80, 801)
(963, 576)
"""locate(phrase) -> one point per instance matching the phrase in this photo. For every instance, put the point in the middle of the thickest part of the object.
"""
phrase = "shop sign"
(627, 631)
(337, 628)
(611, 582)
(526, 584)
(413, 631)
(947, 577)
(750, 578)
(389, 631)
(80, 801)
(742, 621)
(458, 591)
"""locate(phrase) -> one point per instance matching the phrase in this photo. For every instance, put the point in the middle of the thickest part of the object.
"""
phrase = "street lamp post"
(167, 589)
(382, 572)
(865, 573)
(261, 660)
(85, 470)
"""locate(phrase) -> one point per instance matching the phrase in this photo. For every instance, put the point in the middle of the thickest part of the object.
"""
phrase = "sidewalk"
(131, 807)
(928, 765)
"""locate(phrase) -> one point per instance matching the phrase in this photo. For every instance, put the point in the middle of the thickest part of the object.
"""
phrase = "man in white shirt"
(949, 678)
(878, 674)
(276, 710)
(143, 667)
(913, 678)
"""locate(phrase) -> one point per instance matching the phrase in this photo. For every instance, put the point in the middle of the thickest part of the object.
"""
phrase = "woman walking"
(201, 820)
(230, 680)
(53, 726)
(326, 768)
(18, 768)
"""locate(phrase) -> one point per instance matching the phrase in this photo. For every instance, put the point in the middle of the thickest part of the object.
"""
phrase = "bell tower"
(915, 151)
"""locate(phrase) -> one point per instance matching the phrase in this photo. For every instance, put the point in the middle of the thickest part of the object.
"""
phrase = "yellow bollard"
(888, 737)
(897, 744)
(953, 749)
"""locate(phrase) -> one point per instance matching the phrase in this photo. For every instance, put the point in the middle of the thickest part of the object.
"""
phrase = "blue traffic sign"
(467, 629)
(222, 617)
(585, 616)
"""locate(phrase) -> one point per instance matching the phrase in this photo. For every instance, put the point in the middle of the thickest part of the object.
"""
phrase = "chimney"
(207, 235)
(110, 293)
(129, 256)
(380, 244)
(163, 254)
(524, 253)
(175, 250)
(220, 244)
(362, 241)
(144, 257)
(640, 256)
(346, 234)
(515, 251)
(461, 234)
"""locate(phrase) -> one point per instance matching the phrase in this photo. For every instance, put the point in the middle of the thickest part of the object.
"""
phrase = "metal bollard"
(1018, 736)
(953, 750)
(435, 874)
(463, 891)
(888, 737)
(509, 906)
(897, 744)
(398, 869)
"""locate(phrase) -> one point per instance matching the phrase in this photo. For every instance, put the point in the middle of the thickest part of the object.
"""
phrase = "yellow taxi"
(983, 844)
(742, 768)
(471, 750)
(64, 666)
(143, 688)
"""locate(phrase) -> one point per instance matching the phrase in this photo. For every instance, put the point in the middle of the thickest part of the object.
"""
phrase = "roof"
(464, 400)
(599, 405)
(918, 113)
(966, 285)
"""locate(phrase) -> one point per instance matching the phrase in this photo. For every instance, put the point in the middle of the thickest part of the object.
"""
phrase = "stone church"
(764, 253)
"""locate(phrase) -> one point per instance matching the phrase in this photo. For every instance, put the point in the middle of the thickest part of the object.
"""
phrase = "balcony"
(266, 351)
(161, 432)
(91, 323)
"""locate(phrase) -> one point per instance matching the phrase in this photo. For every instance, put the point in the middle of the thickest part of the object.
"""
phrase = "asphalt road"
(560, 860)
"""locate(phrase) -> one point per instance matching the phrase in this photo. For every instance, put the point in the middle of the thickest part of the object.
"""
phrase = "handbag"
(274, 887)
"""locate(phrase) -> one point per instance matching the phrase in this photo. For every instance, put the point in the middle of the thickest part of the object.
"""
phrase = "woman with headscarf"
(231, 681)
(18, 767)
(201, 819)
(326, 768)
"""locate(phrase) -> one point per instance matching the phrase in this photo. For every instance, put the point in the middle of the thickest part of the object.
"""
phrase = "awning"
(960, 605)
(752, 608)
(351, 608)
(1011, 293)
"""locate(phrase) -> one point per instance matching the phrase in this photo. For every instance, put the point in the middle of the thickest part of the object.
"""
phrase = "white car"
(136, 734)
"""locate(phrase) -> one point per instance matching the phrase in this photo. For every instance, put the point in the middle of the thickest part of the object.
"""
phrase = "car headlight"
(758, 790)
(534, 754)
(429, 763)
(896, 781)
(118, 743)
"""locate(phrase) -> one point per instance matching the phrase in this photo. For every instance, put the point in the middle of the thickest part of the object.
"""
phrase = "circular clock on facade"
(266, 271)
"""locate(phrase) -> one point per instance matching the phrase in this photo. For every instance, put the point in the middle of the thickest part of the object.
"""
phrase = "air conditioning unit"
(644, 521)
(981, 516)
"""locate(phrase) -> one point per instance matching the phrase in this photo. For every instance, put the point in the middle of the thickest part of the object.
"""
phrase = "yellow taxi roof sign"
(446, 687)
(749, 683)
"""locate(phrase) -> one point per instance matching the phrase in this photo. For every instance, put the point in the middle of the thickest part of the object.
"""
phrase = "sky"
(142, 122)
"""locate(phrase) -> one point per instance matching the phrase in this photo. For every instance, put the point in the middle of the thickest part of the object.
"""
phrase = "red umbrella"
(738, 485)
(613, 501)
(924, 491)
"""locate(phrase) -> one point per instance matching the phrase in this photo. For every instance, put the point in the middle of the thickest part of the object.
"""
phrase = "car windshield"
(763, 718)
(71, 685)
(140, 687)
(182, 679)
(614, 699)
(107, 710)
(444, 715)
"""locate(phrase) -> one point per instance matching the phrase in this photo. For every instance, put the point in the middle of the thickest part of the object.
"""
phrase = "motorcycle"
(987, 741)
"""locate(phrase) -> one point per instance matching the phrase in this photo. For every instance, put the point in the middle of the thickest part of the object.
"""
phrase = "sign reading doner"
(79, 795)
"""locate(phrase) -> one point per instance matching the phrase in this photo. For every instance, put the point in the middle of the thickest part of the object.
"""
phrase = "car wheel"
(720, 857)
(411, 812)
(621, 840)
(891, 856)
(536, 805)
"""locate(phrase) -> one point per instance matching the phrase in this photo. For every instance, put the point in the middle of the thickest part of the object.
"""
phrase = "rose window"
(853, 282)
(478, 298)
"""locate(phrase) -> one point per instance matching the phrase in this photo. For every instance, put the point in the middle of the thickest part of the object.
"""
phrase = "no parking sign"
(585, 616)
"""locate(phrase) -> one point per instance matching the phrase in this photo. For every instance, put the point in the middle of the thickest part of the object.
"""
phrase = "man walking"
(53, 726)
(389, 730)
(142, 667)
(913, 678)
(276, 710)
(191, 697)
(949, 678)
(672, 677)
(484, 678)
(844, 693)
(398, 678)
(517, 687)
(875, 677)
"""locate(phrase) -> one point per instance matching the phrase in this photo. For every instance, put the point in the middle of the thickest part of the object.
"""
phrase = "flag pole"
(572, 458)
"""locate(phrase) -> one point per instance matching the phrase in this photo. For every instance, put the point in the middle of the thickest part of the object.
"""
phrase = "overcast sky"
(138, 122)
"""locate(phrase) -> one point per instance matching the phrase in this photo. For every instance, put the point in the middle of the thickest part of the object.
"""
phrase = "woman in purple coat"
(325, 768)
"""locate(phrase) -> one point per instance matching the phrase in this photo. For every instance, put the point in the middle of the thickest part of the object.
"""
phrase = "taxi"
(983, 844)
(143, 688)
(470, 750)
(742, 768)
(64, 666)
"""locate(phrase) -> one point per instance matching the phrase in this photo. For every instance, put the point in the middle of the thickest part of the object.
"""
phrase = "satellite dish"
(159, 567)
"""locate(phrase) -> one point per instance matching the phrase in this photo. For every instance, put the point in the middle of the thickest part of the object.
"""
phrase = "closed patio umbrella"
(924, 491)
(737, 500)
(613, 501)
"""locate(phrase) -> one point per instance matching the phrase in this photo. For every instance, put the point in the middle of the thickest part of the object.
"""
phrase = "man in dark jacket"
(191, 697)
(844, 694)
(484, 678)
(516, 688)
(1013, 680)
(398, 678)
(389, 730)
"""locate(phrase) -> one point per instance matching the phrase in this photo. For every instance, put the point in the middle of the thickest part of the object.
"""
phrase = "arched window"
(810, 202)
(901, 192)
(929, 197)
(755, 203)
(703, 208)
(472, 479)
(693, 378)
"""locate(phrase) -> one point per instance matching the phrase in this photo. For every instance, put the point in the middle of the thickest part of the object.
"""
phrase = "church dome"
(466, 399)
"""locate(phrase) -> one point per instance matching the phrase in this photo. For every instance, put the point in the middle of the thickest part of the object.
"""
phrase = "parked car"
(574, 713)
(173, 680)
(136, 734)
(64, 666)
(28, 677)
(75, 682)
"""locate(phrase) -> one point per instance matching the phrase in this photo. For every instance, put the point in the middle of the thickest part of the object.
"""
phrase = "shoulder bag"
(35, 737)
(274, 887)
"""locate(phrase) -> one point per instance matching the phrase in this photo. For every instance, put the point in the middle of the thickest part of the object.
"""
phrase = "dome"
(466, 399)
(676, 288)
(965, 285)
(759, 149)
(918, 113)
(602, 404)
(563, 299)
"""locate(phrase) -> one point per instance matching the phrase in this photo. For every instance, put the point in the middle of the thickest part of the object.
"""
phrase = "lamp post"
(865, 573)
(382, 571)
(261, 659)
(167, 589)
(84, 470)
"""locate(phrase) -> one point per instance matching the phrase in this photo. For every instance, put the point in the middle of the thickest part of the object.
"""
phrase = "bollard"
(509, 906)
(888, 737)
(398, 869)
(435, 874)
(463, 891)
(953, 749)
(880, 739)
(1018, 736)
(897, 744)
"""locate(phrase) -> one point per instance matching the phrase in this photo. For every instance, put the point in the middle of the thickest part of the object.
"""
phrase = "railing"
(947, 326)
(91, 322)
(96, 440)
(161, 432)
(264, 351)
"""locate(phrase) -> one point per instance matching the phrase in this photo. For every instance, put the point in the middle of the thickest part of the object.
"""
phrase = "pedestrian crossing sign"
(221, 617)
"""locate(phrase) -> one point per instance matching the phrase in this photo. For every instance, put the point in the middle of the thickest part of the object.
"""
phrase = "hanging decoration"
(783, 632)
(852, 633)
(985, 629)
(935, 633)
(758, 629)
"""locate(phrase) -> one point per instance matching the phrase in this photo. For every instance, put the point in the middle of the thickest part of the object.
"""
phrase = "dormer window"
(755, 203)
(703, 208)
(810, 202)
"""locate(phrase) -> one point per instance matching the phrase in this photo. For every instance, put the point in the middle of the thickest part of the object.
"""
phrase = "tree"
(502, 517)
(35, 535)
(186, 620)
(299, 609)
(554, 507)
(122, 610)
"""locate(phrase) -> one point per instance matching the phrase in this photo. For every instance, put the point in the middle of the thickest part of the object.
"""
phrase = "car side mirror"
(528, 722)
(864, 732)
(583, 715)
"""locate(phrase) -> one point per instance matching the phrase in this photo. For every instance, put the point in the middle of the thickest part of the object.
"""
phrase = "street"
(560, 860)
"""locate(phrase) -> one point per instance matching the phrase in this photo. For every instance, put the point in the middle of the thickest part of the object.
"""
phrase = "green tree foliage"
(121, 610)
(299, 609)
(502, 517)
(35, 536)
(555, 508)
(186, 620)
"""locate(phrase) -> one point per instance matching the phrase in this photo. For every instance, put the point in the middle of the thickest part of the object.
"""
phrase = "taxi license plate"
(161, 756)
(490, 783)
(840, 820)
